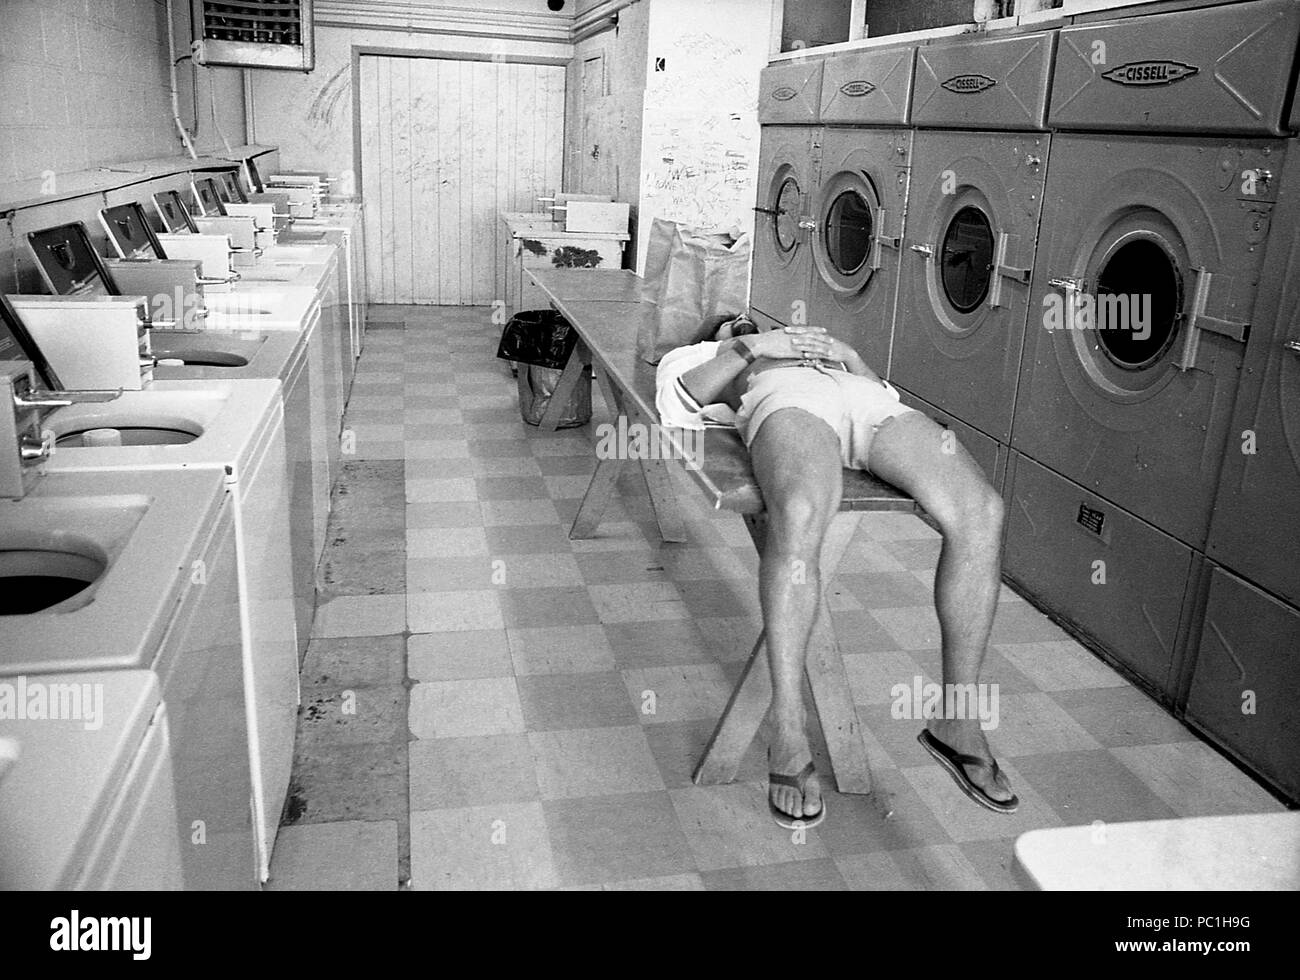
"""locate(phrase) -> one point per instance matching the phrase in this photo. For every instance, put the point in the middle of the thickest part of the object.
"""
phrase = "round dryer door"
(1125, 321)
(846, 228)
(785, 203)
(962, 271)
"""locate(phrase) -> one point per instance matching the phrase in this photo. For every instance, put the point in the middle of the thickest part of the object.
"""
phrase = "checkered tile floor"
(487, 704)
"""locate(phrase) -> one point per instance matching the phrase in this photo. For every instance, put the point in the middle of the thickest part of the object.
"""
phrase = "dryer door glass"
(786, 223)
(1139, 296)
(966, 259)
(848, 232)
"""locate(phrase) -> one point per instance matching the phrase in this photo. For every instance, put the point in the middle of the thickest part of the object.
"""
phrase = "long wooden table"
(605, 309)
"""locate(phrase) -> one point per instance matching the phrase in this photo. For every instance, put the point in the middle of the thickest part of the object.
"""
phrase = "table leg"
(827, 678)
(594, 501)
(658, 481)
(573, 368)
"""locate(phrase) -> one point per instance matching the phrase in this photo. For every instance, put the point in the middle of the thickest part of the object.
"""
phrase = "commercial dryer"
(862, 197)
(1142, 298)
(1243, 690)
(978, 165)
(788, 167)
(1151, 250)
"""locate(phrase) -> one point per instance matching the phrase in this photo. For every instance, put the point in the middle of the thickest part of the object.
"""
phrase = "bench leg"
(573, 368)
(663, 498)
(594, 501)
(827, 678)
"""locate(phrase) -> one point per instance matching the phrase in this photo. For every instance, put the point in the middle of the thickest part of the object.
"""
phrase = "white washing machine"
(788, 168)
(861, 199)
(236, 428)
(341, 227)
(90, 809)
(325, 382)
(1126, 417)
(979, 159)
(295, 359)
(123, 572)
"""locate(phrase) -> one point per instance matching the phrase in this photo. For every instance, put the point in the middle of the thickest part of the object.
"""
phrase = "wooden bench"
(605, 309)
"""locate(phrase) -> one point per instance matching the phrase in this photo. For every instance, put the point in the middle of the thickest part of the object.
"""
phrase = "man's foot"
(960, 746)
(789, 757)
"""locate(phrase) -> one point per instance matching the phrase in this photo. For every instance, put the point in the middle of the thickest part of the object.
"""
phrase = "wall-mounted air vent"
(254, 33)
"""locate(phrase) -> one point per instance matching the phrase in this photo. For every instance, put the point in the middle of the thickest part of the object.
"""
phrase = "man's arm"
(706, 382)
(852, 360)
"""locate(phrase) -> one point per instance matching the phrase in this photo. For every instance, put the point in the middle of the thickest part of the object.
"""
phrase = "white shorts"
(854, 406)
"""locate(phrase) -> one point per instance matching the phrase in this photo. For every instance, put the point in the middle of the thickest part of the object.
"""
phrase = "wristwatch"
(743, 350)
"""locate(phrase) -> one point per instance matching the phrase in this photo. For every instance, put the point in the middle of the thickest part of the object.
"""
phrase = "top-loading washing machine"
(861, 199)
(89, 807)
(237, 429)
(295, 359)
(788, 169)
(1151, 251)
(1142, 299)
(119, 573)
(979, 159)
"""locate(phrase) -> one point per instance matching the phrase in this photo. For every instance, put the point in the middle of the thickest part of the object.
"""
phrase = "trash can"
(540, 342)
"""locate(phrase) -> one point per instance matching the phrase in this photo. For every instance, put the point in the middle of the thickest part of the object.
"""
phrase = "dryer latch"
(1199, 320)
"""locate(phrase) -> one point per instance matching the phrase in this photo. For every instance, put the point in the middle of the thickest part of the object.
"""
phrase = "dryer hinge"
(1003, 271)
(1198, 320)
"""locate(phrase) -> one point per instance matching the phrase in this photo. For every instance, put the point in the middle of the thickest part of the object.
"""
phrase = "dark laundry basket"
(540, 341)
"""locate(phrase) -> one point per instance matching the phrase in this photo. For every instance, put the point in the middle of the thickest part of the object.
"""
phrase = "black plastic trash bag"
(540, 337)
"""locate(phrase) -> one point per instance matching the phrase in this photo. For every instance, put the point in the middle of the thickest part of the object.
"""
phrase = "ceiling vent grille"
(254, 33)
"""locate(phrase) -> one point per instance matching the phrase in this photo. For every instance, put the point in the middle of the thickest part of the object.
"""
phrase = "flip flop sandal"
(954, 762)
(798, 782)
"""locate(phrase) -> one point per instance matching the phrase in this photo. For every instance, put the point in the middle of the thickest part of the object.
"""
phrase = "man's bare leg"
(796, 459)
(913, 453)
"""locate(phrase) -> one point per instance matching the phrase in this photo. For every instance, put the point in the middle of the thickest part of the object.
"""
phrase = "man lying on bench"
(807, 405)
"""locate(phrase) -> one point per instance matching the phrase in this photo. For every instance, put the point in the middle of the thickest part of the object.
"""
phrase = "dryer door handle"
(1003, 271)
(1199, 321)
(882, 240)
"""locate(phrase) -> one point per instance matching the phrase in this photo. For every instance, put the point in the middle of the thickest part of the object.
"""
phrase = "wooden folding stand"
(604, 309)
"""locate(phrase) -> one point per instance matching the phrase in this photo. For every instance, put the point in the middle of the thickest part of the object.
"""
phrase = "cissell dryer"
(862, 197)
(1151, 250)
(979, 160)
(788, 168)
(1142, 296)
(1243, 691)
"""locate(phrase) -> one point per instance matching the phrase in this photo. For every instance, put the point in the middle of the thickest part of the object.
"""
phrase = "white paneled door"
(445, 147)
